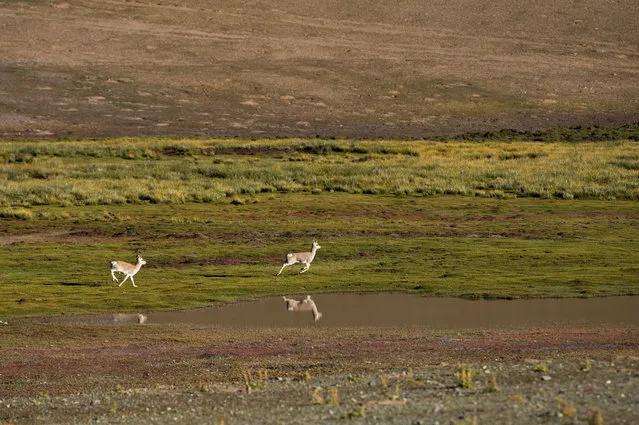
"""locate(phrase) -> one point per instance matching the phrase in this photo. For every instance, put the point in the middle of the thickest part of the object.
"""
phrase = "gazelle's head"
(141, 260)
(316, 245)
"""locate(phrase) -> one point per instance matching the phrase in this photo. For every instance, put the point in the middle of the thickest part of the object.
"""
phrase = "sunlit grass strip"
(174, 172)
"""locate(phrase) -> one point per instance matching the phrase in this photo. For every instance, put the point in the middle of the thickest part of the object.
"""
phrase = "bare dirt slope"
(412, 68)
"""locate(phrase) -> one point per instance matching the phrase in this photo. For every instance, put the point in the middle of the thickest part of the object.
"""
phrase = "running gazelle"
(129, 270)
(301, 257)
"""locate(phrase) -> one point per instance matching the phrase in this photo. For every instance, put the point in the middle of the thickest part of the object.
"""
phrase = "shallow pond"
(392, 309)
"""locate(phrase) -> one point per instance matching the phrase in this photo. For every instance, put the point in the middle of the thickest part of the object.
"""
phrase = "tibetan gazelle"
(301, 257)
(129, 270)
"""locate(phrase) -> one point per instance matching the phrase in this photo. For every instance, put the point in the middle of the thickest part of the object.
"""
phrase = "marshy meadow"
(215, 217)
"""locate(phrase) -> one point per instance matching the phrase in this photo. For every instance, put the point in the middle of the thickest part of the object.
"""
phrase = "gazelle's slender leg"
(316, 314)
(113, 275)
(305, 268)
(125, 278)
(133, 282)
(285, 264)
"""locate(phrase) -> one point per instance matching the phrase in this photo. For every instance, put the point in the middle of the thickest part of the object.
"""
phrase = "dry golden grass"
(168, 171)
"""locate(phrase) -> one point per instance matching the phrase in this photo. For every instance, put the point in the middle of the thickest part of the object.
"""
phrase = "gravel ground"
(561, 393)
(78, 374)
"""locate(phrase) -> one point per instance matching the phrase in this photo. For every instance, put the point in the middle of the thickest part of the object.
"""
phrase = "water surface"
(392, 309)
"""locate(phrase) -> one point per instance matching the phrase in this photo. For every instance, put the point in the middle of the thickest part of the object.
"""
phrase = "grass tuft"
(255, 380)
(491, 385)
(465, 377)
(595, 417)
(568, 409)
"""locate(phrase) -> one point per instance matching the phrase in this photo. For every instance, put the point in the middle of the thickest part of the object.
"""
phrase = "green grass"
(421, 217)
(201, 254)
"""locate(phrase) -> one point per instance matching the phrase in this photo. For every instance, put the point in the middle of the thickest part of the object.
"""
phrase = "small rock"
(546, 378)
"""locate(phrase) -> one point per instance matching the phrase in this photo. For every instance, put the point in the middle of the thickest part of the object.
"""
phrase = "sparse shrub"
(464, 377)
(357, 412)
(595, 417)
(317, 396)
(255, 380)
(333, 397)
(396, 395)
(382, 380)
(491, 386)
(540, 368)
(568, 409)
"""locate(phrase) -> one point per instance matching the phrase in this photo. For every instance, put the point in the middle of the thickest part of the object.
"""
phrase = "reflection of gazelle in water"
(301, 257)
(129, 317)
(305, 305)
(129, 270)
